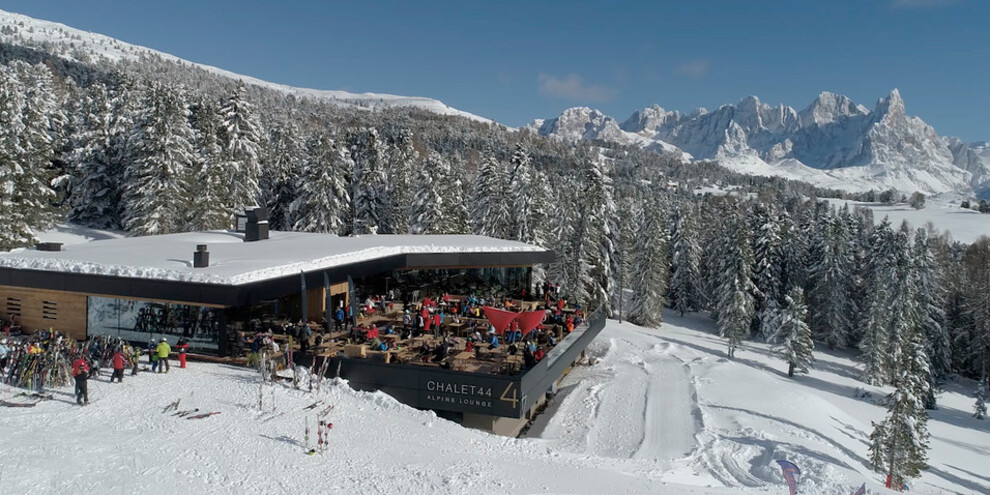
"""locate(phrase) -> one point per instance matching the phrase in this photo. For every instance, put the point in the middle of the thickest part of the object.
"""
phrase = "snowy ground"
(945, 215)
(663, 412)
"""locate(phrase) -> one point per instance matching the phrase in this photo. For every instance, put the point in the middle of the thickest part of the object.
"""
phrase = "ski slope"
(662, 412)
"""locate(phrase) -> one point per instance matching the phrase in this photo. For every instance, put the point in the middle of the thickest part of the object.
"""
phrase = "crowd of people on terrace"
(432, 329)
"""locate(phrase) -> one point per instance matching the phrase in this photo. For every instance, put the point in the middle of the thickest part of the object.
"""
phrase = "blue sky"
(519, 60)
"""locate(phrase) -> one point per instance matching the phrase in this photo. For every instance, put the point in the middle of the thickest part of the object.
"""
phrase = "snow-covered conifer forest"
(155, 147)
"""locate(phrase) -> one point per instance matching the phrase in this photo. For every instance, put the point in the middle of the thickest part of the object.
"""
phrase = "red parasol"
(500, 318)
(529, 320)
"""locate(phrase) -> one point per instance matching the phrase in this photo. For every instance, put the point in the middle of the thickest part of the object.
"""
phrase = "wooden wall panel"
(41, 309)
(340, 288)
(315, 304)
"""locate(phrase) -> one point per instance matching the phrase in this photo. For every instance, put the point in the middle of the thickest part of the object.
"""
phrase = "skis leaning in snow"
(323, 429)
(172, 407)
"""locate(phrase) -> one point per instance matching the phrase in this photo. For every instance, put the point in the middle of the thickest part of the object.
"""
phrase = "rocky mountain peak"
(829, 107)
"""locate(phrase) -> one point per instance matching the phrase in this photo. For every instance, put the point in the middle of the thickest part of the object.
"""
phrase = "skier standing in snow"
(118, 362)
(152, 356)
(163, 350)
(182, 345)
(80, 371)
(134, 354)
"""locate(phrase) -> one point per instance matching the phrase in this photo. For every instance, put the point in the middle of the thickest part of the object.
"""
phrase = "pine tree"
(973, 344)
(283, 166)
(370, 184)
(563, 225)
(980, 407)
(649, 283)
(791, 329)
(768, 270)
(402, 159)
(629, 222)
(427, 201)
(831, 281)
(101, 146)
(455, 219)
(735, 305)
(26, 152)
(520, 183)
(899, 443)
(323, 199)
(685, 255)
(598, 212)
(490, 213)
(242, 145)
(163, 151)
(930, 302)
(210, 203)
(877, 317)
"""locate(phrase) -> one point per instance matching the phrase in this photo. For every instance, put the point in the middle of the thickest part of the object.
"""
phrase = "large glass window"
(140, 321)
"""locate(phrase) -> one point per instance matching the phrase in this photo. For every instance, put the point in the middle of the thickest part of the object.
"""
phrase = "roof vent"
(48, 246)
(201, 258)
(256, 225)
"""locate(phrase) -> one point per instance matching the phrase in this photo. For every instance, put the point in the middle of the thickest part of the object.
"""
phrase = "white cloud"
(694, 69)
(572, 87)
(922, 4)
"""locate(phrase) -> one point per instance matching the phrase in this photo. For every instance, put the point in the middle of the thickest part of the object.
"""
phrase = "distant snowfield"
(963, 224)
(663, 412)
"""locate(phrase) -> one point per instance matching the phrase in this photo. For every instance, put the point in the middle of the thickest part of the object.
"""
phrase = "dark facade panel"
(434, 388)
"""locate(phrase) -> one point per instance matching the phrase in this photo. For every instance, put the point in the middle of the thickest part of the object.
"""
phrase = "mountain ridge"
(833, 142)
(79, 45)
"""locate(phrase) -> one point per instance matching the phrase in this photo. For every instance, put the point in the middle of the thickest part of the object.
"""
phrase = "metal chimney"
(256, 227)
(201, 258)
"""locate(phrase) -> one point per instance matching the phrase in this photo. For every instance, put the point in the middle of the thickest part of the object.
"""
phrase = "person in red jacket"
(118, 362)
(80, 371)
(182, 346)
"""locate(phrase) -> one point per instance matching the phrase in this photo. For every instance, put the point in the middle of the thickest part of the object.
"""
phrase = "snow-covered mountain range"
(834, 142)
(84, 46)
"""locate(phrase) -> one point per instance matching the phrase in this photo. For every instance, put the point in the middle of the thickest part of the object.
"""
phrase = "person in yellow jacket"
(163, 350)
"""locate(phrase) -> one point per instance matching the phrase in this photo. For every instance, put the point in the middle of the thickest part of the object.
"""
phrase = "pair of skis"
(189, 413)
(204, 415)
(323, 429)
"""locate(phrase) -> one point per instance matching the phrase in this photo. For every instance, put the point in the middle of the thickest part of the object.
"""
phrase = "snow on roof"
(235, 262)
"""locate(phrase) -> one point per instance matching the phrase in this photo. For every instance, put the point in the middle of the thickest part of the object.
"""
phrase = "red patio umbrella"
(529, 320)
(500, 318)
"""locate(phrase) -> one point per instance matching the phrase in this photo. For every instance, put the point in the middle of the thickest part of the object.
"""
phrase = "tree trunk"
(790, 370)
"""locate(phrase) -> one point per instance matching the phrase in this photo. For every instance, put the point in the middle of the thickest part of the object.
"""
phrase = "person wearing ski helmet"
(163, 350)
